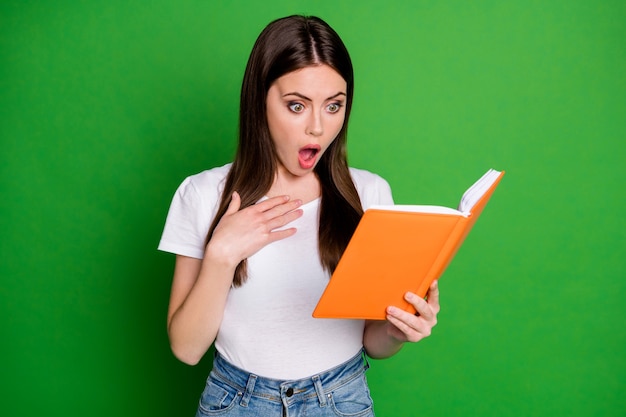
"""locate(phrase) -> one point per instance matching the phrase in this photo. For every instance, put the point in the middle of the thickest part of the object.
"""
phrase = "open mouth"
(308, 155)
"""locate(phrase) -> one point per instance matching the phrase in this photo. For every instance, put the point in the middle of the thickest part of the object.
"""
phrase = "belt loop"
(317, 383)
(249, 390)
(366, 362)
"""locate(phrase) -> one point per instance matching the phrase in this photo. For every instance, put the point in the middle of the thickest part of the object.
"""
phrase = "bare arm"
(197, 299)
(383, 339)
(200, 287)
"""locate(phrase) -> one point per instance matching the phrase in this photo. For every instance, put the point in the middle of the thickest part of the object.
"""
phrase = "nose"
(315, 126)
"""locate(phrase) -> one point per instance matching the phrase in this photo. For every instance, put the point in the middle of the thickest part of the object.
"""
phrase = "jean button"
(289, 392)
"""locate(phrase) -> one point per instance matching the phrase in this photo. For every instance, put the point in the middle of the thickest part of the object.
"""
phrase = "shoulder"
(372, 188)
(210, 180)
(204, 186)
(191, 212)
(363, 178)
(203, 190)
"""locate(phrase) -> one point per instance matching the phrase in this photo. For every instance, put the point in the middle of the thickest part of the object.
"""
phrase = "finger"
(393, 316)
(421, 306)
(283, 219)
(282, 214)
(407, 324)
(270, 203)
(433, 296)
(235, 203)
(281, 234)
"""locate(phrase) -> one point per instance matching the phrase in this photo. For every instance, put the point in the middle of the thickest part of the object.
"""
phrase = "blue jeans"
(340, 391)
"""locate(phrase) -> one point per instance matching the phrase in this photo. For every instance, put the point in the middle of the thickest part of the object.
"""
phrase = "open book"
(400, 248)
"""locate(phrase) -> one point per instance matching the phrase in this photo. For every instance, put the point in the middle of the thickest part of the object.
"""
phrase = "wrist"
(380, 341)
(216, 254)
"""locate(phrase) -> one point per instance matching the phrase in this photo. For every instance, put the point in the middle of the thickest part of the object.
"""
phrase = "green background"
(105, 106)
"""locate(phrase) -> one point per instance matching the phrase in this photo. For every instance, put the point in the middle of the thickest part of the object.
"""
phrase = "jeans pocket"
(352, 399)
(217, 398)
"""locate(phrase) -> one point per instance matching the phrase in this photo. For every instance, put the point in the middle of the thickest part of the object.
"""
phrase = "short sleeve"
(191, 212)
(372, 188)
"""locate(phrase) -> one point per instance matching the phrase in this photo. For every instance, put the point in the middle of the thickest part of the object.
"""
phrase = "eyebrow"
(303, 97)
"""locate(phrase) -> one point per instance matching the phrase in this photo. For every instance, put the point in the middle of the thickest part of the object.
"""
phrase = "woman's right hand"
(242, 233)
(200, 287)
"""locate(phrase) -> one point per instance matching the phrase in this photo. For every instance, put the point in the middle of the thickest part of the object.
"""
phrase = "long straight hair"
(286, 45)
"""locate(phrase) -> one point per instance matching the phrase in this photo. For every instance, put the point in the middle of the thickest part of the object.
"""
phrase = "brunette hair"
(286, 45)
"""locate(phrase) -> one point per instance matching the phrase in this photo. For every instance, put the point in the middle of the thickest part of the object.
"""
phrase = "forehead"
(313, 79)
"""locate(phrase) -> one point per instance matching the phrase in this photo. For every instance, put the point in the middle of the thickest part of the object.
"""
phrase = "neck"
(306, 188)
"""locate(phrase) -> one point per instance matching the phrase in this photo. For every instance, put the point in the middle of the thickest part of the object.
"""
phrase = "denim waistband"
(289, 391)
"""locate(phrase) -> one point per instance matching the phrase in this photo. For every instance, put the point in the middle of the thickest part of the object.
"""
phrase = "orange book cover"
(400, 248)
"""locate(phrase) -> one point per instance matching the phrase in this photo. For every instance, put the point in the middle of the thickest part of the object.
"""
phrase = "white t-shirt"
(267, 328)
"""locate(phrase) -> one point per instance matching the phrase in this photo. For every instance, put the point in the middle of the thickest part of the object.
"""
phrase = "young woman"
(257, 240)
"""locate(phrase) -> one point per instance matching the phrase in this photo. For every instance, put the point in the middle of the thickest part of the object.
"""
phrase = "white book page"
(468, 201)
(477, 190)
(419, 209)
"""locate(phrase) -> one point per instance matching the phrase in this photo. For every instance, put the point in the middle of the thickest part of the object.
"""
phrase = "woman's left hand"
(407, 327)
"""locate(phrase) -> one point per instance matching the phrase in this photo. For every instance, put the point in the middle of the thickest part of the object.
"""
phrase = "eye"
(296, 107)
(333, 107)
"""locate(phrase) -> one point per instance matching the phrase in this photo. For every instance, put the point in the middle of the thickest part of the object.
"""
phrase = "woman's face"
(305, 112)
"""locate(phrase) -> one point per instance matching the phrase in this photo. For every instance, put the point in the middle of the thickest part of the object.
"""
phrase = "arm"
(200, 287)
(383, 339)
